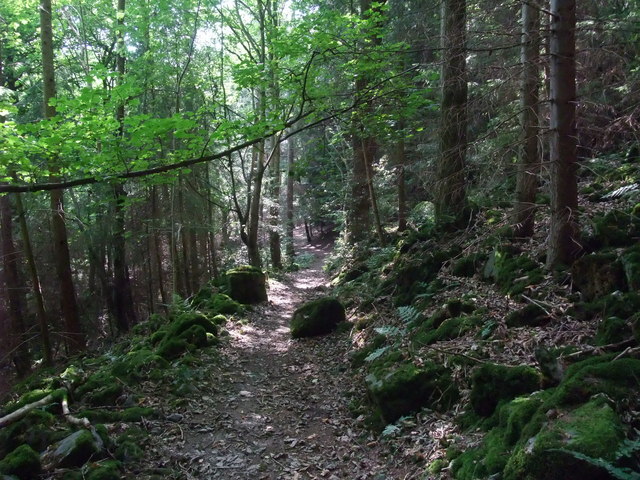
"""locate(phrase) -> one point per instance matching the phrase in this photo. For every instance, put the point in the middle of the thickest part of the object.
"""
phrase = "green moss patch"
(630, 260)
(400, 389)
(317, 317)
(491, 384)
(23, 462)
(139, 365)
(613, 330)
(105, 470)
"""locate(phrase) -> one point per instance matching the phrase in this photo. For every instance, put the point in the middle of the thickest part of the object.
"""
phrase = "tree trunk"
(450, 195)
(529, 164)
(289, 247)
(275, 248)
(563, 243)
(399, 162)
(74, 336)
(35, 283)
(122, 294)
(12, 288)
(253, 247)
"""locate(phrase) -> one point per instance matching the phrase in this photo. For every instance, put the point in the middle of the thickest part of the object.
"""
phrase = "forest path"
(274, 408)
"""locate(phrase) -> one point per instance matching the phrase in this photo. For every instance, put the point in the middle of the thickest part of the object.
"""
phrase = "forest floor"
(269, 407)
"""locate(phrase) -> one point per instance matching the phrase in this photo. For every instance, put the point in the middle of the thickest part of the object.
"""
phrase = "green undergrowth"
(161, 353)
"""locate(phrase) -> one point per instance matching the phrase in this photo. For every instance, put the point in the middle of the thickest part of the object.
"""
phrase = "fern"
(376, 354)
(389, 331)
(620, 473)
(408, 314)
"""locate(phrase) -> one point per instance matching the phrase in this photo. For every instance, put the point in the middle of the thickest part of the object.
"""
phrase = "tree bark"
(450, 195)
(12, 288)
(275, 247)
(529, 162)
(563, 244)
(74, 336)
(289, 224)
(35, 283)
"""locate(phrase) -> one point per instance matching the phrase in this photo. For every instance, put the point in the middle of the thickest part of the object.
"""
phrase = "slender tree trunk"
(13, 287)
(399, 162)
(275, 248)
(157, 246)
(289, 224)
(450, 195)
(563, 244)
(253, 247)
(35, 283)
(368, 164)
(74, 336)
(529, 164)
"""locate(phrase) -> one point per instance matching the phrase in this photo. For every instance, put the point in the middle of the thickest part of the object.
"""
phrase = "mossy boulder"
(247, 285)
(617, 304)
(603, 374)
(613, 330)
(597, 275)
(215, 302)
(470, 265)
(74, 450)
(593, 430)
(511, 271)
(531, 315)
(105, 470)
(492, 384)
(139, 365)
(35, 430)
(449, 329)
(616, 228)
(317, 317)
(630, 260)
(23, 462)
(400, 389)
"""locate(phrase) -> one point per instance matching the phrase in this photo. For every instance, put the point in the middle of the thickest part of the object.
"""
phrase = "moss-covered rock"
(630, 260)
(247, 285)
(491, 384)
(470, 265)
(512, 272)
(616, 228)
(623, 305)
(448, 329)
(597, 275)
(172, 348)
(23, 462)
(317, 317)
(139, 365)
(136, 414)
(105, 470)
(399, 389)
(212, 302)
(615, 378)
(613, 330)
(35, 430)
(593, 429)
(74, 450)
(531, 315)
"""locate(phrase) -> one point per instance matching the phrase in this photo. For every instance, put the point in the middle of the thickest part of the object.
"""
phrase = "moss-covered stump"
(596, 275)
(247, 285)
(400, 389)
(74, 450)
(317, 317)
(23, 462)
(491, 384)
(592, 430)
(531, 315)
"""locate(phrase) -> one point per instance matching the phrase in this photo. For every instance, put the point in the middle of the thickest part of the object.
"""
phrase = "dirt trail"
(273, 408)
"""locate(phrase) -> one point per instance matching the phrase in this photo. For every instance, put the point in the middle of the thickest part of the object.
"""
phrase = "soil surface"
(270, 407)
